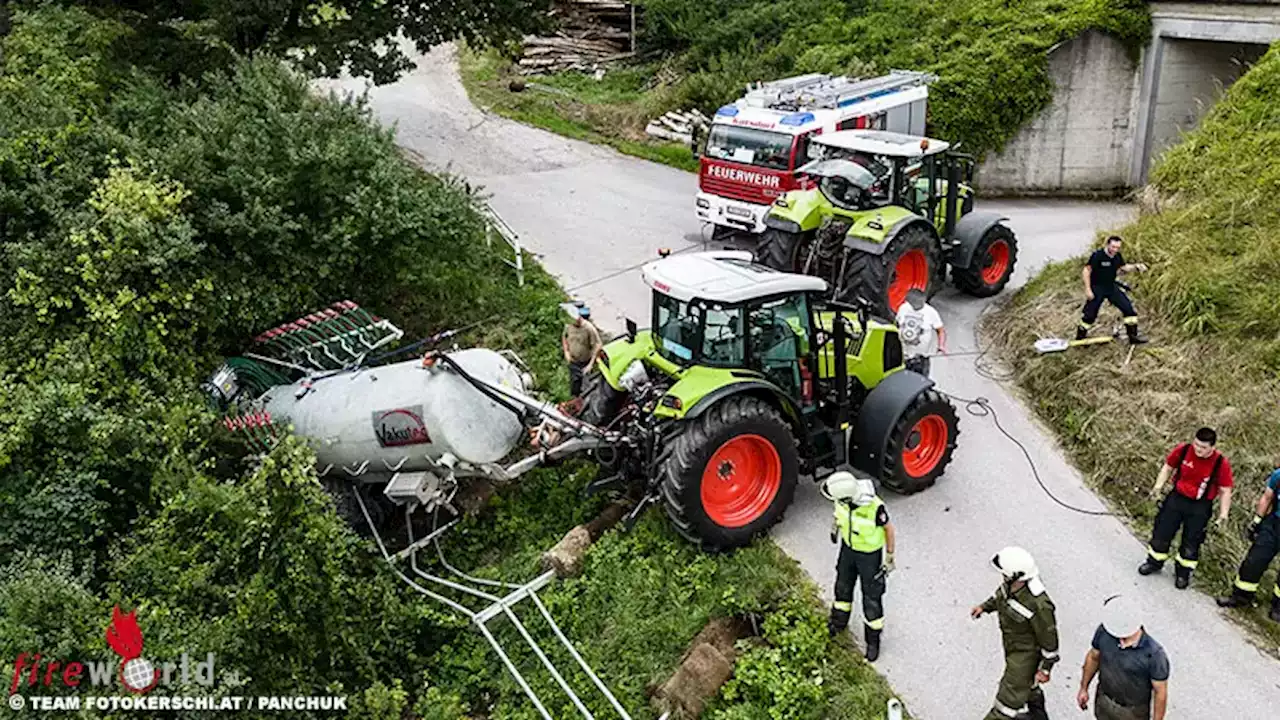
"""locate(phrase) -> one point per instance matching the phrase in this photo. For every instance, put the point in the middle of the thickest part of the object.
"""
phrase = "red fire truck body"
(754, 145)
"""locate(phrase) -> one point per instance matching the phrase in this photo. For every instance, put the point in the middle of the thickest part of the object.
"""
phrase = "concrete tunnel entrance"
(1190, 75)
(1111, 118)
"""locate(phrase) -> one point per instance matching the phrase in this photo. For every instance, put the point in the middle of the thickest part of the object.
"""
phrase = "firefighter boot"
(1275, 609)
(1237, 599)
(1082, 332)
(1150, 566)
(873, 644)
(1182, 578)
(1134, 337)
(837, 621)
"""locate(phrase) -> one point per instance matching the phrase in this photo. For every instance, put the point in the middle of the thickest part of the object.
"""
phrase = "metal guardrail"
(495, 224)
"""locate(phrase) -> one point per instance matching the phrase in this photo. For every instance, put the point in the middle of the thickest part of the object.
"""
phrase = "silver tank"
(395, 417)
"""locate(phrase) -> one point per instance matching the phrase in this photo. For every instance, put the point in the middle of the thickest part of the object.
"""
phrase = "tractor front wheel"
(920, 444)
(910, 262)
(731, 474)
(778, 249)
(992, 264)
(600, 402)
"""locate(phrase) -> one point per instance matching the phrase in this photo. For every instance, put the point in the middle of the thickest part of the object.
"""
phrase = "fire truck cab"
(754, 145)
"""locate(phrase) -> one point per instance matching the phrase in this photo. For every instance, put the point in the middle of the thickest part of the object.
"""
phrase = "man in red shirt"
(1200, 474)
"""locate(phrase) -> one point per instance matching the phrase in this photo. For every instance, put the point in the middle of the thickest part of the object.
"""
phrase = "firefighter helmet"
(1015, 564)
(845, 486)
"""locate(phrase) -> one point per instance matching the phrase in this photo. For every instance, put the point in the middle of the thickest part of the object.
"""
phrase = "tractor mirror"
(632, 329)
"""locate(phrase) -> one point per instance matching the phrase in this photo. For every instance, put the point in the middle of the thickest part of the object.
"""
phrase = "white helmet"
(1015, 564)
(1121, 616)
(845, 486)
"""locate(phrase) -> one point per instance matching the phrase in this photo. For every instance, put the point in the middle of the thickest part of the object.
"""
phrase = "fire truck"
(754, 145)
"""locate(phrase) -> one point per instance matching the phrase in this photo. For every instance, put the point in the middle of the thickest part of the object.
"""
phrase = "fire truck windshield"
(750, 146)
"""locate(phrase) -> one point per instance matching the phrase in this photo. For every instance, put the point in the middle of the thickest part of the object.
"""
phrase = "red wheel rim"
(926, 443)
(911, 273)
(997, 262)
(741, 480)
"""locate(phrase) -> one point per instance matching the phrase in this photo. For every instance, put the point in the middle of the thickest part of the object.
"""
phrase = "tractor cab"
(721, 310)
(908, 170)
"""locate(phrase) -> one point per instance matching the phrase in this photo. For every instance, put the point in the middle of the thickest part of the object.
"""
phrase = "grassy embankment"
(989, 56)
(147, 230)
(1210, 231)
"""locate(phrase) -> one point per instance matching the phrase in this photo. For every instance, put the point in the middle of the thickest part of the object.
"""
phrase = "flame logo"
(125, 638)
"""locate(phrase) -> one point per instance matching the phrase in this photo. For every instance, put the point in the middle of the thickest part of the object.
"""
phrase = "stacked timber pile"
(679, 126)
(589, 33)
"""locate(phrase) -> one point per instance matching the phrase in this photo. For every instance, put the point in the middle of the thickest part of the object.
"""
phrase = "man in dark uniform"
(1029, 632)
(1200, 473)
(1100, 284)
(1264, 536)
(1131, 667)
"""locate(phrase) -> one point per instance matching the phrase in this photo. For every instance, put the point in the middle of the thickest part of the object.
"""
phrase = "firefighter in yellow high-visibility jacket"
(866, 540)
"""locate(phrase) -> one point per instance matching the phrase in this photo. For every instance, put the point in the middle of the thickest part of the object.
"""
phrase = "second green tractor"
(885, 213)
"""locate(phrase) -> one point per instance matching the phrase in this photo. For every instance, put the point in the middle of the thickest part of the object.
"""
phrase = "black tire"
(777, 249)
(971, 280)
(691, 451)
(869, 276)
(897, 472)
(600, 402)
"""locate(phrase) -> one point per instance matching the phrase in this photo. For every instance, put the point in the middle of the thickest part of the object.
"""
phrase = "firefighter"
(1029, 630)
(866, 540)
(1200, 473)
(1264, 536)
(1100, 285)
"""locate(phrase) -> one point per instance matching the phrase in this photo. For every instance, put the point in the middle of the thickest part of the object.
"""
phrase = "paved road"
(588, 211)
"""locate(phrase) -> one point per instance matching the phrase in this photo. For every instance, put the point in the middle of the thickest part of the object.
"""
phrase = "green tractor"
(749, 378)
(886, 213)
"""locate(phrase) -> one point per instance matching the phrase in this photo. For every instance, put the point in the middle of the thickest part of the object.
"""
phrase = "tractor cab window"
(722, 336)
(778, 337)
(675, 325)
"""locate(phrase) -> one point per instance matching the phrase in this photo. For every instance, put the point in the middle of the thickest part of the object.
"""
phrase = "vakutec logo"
(135, 673)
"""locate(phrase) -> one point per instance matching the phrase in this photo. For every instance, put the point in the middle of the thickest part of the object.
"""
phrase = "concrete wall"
(1192, 77)
(1084, 139)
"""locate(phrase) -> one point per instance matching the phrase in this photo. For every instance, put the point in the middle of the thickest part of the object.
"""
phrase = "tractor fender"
(852, 242)
(969, 232)
(879, 412)
(777, 223)
(764, 390)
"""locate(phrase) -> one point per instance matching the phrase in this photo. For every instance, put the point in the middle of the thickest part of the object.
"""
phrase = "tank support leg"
(497, 606)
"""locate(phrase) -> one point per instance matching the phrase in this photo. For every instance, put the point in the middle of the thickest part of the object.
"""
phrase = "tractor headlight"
(634, 377)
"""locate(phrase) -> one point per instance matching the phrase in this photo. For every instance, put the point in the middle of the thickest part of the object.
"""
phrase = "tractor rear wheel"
(910, 262)
(992, 264)
(600, 402)
(777, 249)
(920, 444)
(731, 474)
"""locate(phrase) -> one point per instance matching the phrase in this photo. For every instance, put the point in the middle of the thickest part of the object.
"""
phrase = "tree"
(366, 37)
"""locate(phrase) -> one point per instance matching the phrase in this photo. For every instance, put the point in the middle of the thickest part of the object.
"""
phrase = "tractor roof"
(727, 276)
(882, 142)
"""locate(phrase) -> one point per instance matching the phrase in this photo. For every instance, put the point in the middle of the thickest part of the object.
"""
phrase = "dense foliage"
(149, 228)
(1211, 234)
(183, 38)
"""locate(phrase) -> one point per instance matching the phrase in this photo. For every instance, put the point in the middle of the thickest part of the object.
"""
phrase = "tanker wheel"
(909, 262)
(730, 474)
(992, 264)
(600, 402)
(778, 249)
(920, 444)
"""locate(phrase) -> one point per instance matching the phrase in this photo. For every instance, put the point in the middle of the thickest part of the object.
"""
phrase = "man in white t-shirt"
(921, 330)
